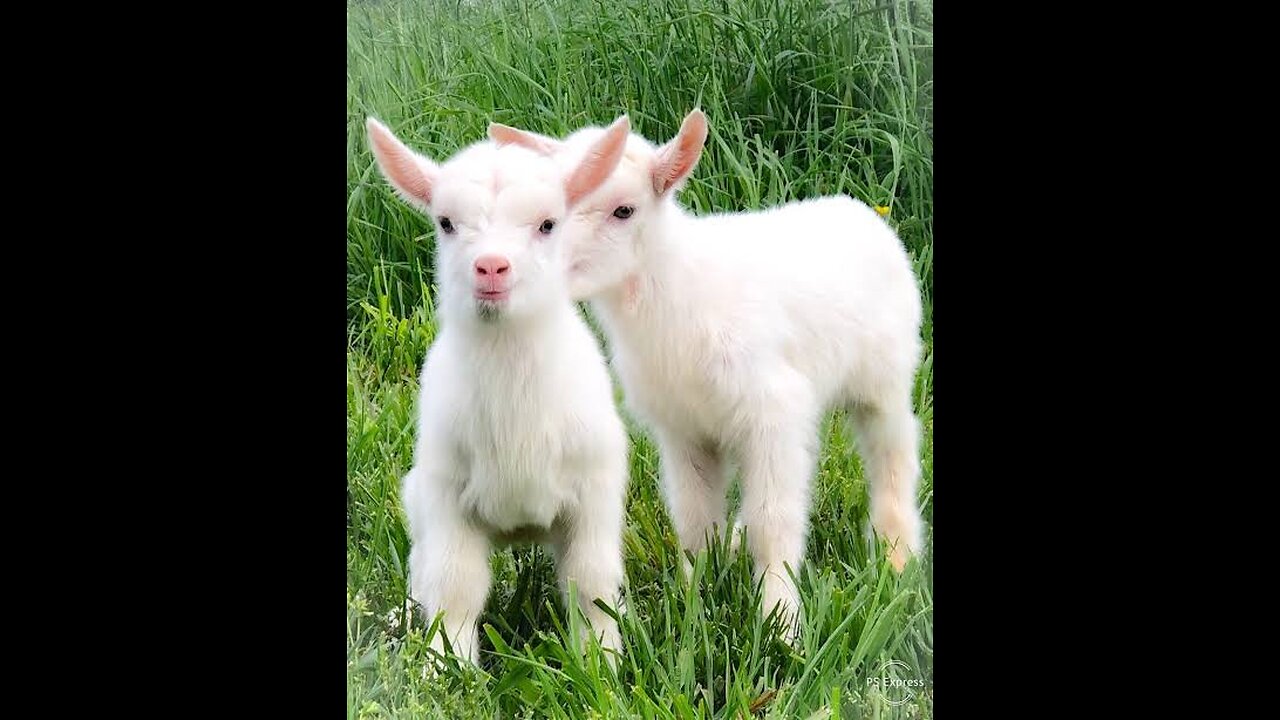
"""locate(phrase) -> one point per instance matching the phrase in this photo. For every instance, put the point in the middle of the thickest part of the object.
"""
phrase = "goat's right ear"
(507, 135)
(677, 158)
(412, 175)
(599, 162)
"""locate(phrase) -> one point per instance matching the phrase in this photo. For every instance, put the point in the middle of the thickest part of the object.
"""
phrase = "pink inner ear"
(599, 163)
(506, 135)
(677, 158)
(400, 165)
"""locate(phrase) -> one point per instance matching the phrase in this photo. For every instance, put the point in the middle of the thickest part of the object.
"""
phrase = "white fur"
(733, 334)
(518, 436)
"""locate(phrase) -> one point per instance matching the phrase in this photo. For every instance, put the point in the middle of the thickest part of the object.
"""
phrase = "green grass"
(803, 99)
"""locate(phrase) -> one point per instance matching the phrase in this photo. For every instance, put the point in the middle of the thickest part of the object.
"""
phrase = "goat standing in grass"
(733, 334)
(518, 436)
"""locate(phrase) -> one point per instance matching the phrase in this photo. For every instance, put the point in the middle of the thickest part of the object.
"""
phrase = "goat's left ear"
(599, 162)
(507, 135)
(677, 158)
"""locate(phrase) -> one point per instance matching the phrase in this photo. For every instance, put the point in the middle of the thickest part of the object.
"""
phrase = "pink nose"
(487, 265)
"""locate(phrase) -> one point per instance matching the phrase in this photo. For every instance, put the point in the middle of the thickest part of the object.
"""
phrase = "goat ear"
(600, 161)
(677, 158)
(507, 135)
(412, 175)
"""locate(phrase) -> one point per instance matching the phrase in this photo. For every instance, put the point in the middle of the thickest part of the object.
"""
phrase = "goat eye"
(623, 212)
(547, 226)
(446, 225)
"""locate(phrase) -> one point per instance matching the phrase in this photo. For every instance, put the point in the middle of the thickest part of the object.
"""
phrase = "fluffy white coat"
(518, 436)
(733, 334)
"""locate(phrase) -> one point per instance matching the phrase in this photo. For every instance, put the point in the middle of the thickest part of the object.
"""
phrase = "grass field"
(803, 99)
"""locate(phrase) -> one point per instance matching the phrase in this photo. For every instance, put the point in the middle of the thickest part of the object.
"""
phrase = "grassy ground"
(804, 99)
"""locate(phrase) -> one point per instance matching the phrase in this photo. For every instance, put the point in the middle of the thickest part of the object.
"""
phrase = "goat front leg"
(589, 555)
(448, 569)
(778, 460)
(694, 481)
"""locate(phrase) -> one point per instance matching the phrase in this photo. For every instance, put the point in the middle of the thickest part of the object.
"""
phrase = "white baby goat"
(518, 436)
(733, 334)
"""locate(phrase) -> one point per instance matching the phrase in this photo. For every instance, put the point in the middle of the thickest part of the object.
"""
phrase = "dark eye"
(446, 225)
(547, 226)
(623, 212)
